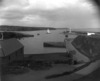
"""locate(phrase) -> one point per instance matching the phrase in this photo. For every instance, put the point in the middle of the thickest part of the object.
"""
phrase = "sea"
(34, 45)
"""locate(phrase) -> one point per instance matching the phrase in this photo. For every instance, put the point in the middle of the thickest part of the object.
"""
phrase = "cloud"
(2, 21)
(35, 20)
(32, 19)
(14, 2)
(57, 13)
(13, 15)
(43, 4)
(49, 4)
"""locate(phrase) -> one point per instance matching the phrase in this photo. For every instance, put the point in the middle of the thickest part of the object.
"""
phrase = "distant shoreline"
(23, 28)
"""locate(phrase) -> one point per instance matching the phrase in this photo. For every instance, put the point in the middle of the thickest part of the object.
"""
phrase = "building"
(10, 50)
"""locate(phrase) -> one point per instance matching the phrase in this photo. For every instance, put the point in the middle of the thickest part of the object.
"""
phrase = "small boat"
(48, 31)
(38, 34)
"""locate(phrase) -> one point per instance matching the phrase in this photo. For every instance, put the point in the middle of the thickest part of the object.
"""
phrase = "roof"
(9, 46)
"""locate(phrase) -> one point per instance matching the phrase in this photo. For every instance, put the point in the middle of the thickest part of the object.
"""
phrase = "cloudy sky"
(54, 13)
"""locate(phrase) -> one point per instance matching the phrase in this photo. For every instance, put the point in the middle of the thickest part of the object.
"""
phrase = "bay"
(34, 45)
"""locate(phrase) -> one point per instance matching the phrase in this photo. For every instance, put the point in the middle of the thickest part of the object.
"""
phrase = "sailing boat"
(48, 31)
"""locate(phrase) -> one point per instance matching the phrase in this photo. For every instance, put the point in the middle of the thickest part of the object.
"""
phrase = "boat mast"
(48, 31)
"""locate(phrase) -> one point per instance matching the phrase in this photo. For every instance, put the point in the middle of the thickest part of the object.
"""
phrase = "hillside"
(7, 35)
(88, 45)
(23, 28)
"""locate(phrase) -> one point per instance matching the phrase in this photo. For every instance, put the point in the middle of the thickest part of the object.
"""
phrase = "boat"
(48, 31)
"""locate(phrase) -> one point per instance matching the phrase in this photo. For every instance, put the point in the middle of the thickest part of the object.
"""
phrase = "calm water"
(34, 45)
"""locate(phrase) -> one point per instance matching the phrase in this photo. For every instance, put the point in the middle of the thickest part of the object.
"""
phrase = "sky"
(52, 13)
